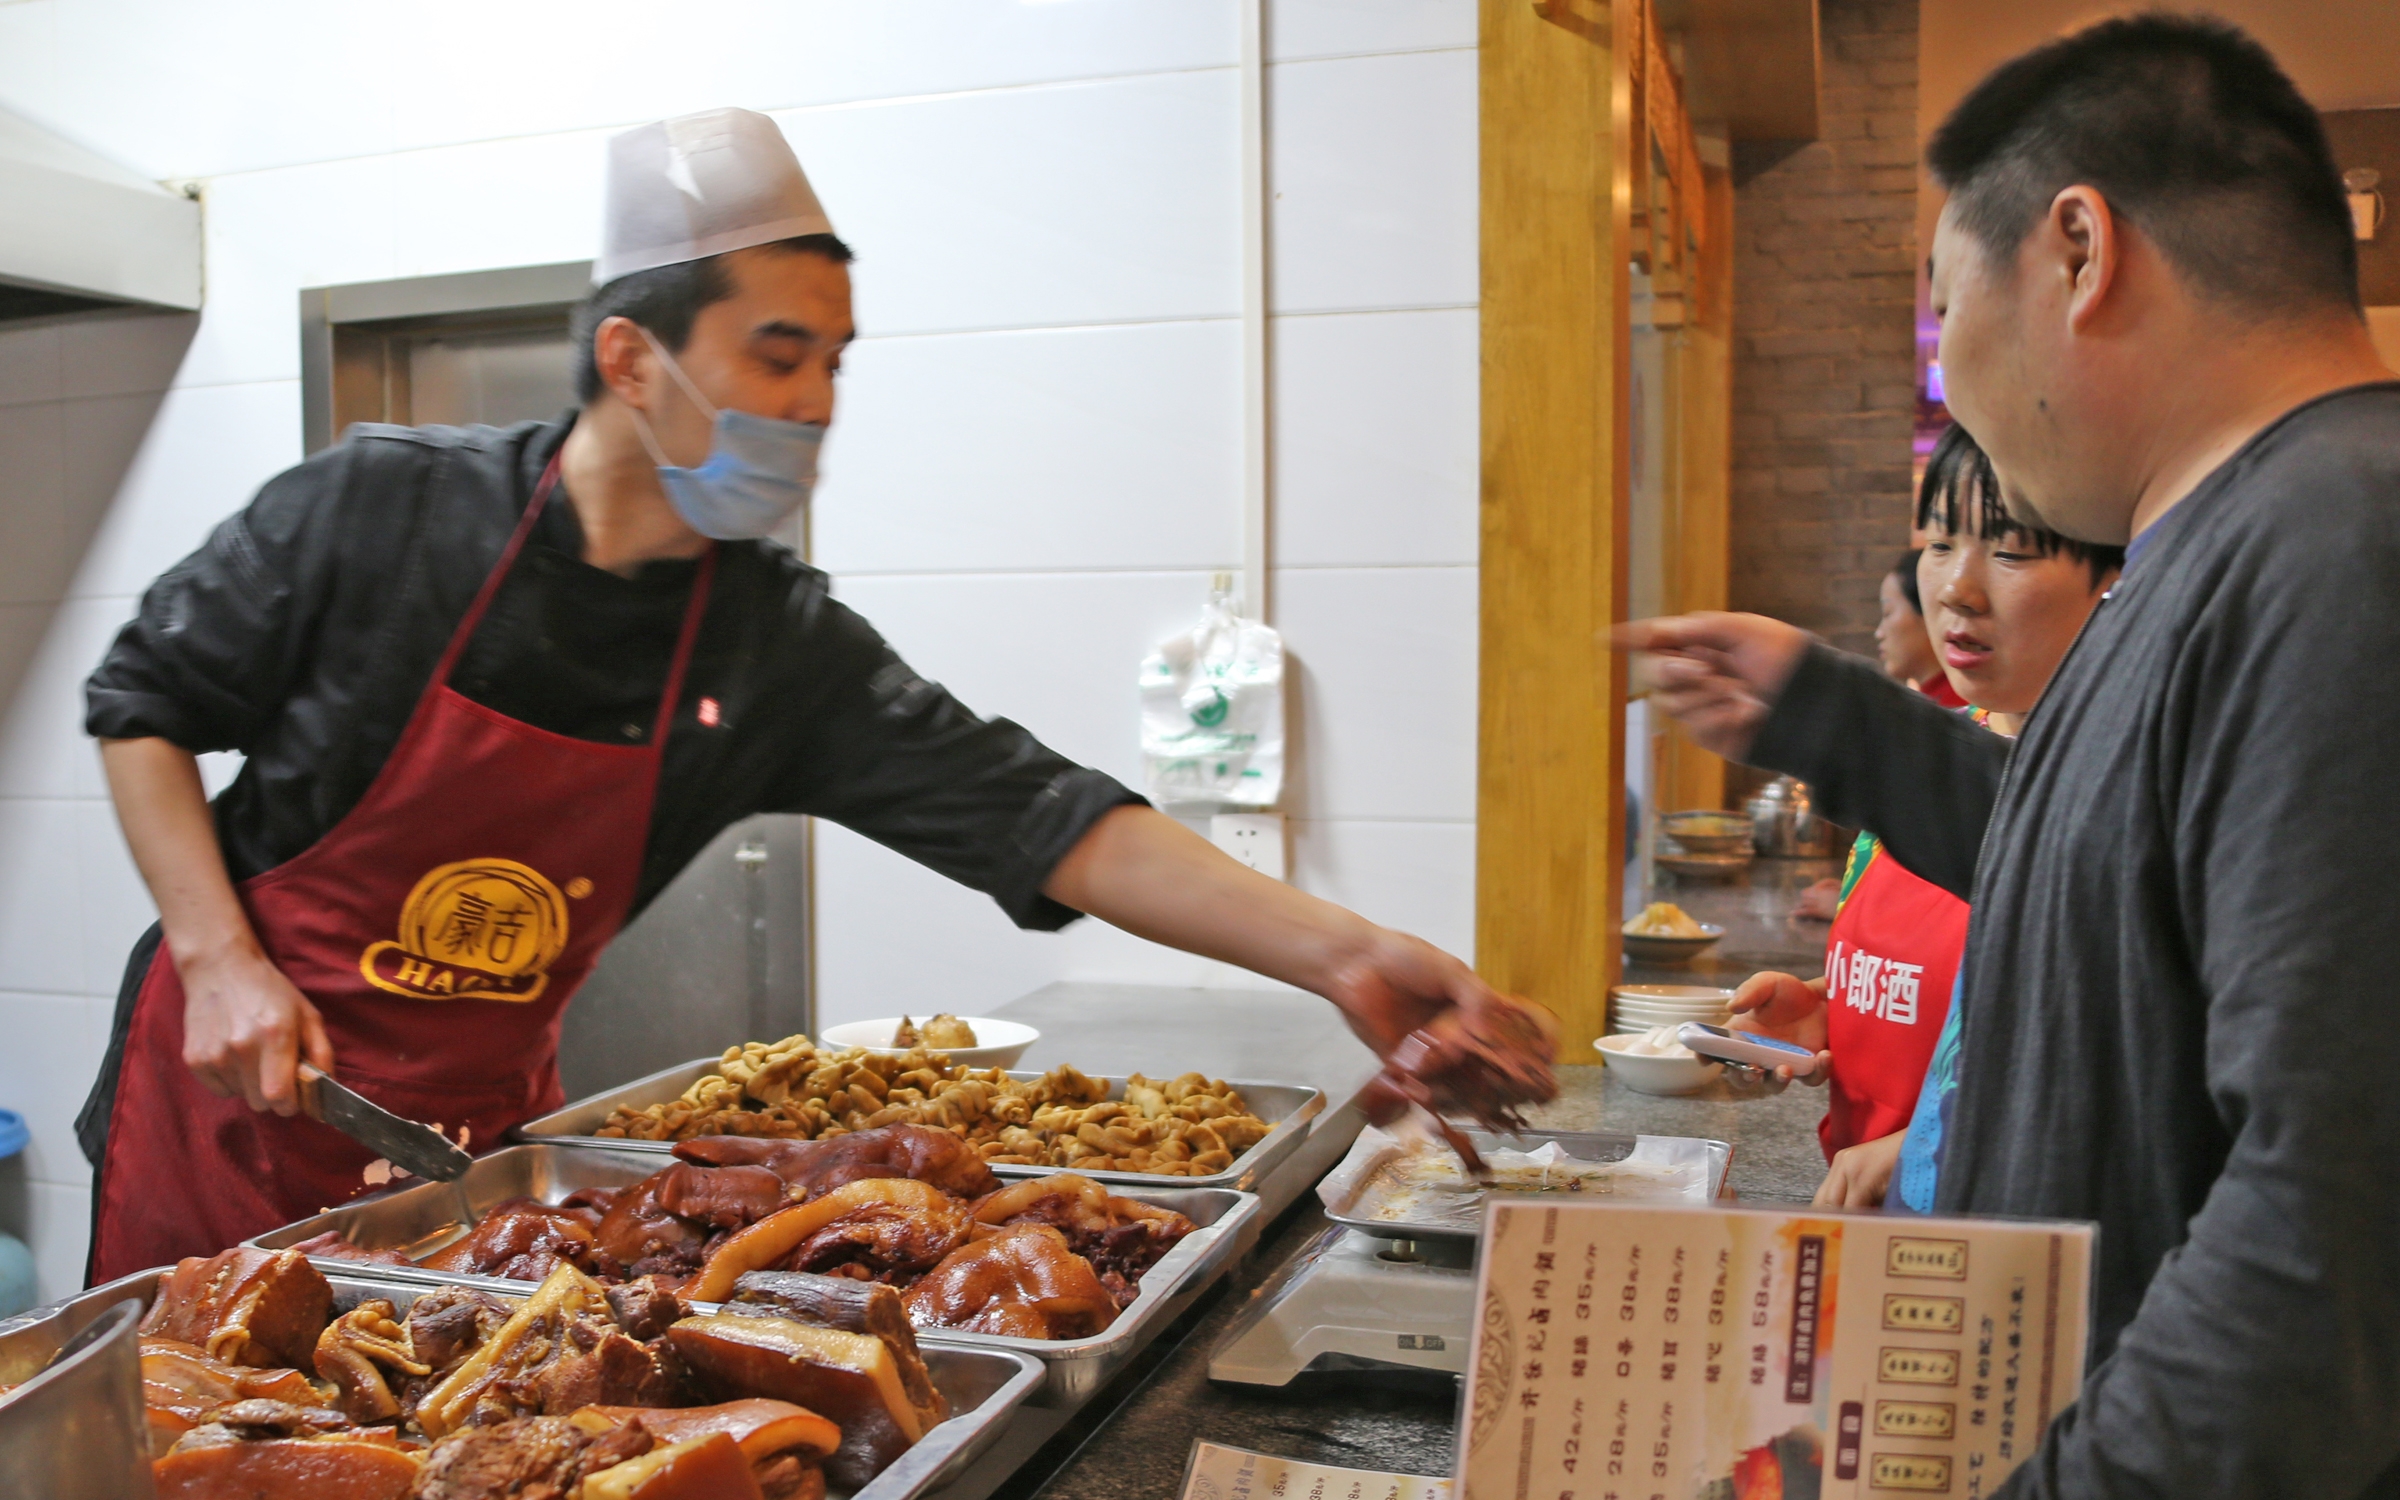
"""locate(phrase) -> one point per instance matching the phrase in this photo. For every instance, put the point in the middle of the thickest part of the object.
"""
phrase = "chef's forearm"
(1141, 870)
(163, 809)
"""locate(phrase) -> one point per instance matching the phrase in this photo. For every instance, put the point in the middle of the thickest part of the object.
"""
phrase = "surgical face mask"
(758, 472)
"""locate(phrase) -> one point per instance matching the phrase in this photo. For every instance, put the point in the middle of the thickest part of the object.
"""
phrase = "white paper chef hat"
(700, 185)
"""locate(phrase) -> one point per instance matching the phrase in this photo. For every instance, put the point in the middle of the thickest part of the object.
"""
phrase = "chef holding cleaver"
(496, 687)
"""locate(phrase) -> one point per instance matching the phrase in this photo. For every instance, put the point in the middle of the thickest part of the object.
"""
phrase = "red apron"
(1891, 959)
(440, 929)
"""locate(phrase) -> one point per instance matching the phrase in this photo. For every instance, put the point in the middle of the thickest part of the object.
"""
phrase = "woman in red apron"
(1889, 965)
(463, 899)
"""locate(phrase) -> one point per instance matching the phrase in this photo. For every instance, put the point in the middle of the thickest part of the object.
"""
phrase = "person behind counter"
(2007, 601)
(2174, 996)
(1903, 642)
(495, 688)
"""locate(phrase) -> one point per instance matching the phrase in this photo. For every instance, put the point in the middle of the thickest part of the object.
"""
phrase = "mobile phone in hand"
(1747, 1048)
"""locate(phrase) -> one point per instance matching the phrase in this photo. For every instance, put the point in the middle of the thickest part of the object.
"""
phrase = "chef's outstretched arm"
(244, 1024)
(1138, 869)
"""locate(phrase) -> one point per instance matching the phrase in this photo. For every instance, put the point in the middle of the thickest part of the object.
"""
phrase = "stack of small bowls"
(1705, 844)
(1640, 1007)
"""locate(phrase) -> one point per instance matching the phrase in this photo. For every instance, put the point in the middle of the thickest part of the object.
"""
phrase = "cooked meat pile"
(576, 1392)
(907, 1206)
(1485, 1060)
(789, 1090)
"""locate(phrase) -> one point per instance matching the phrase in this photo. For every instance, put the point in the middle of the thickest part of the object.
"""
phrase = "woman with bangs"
(2003, 602)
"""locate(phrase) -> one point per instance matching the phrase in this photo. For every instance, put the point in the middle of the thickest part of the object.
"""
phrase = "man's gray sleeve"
(1883, 757)
(2264, 1360)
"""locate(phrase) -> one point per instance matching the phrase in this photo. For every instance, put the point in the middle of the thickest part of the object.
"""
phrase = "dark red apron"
(440, 929)
(1889, 964)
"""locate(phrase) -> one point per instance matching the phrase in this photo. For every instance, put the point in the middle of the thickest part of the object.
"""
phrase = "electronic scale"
(1371, 1294)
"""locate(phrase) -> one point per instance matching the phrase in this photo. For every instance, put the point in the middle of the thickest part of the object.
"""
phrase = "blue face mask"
(758, 472)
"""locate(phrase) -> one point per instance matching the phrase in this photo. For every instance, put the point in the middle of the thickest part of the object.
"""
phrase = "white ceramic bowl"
(1003, 1042)
(1650, 948)
(1706, 831)
(1656, 1075)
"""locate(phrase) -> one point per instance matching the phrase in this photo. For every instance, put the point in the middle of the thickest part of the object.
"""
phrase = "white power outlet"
(1256, 839)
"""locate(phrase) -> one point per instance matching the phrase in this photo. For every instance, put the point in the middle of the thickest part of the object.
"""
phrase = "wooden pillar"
(1699, 544)
(1550, 829)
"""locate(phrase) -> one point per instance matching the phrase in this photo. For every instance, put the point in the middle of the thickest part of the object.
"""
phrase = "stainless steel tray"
(1286, 1107)
(984, 1386)
(419, 1220)
(1343, 1209)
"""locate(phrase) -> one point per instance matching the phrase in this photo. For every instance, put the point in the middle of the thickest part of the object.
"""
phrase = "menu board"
(1653, 1352)
(1217, 1472)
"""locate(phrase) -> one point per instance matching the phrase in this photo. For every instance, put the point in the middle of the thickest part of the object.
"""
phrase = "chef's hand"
(245, 1027)
(1788, 1009)
(1715, 674)
(1394, 983)
(1862, 1174)
(1138, 869)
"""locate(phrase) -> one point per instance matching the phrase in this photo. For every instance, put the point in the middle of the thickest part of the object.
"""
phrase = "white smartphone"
(1747, 1048)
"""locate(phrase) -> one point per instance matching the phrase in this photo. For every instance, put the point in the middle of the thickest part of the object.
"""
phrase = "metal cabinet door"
(721, 957)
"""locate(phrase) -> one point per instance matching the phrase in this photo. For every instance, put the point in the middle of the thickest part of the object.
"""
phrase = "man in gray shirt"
(2175, 990)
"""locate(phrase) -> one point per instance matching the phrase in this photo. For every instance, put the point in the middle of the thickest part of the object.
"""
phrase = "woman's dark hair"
(1961, 495)
(1906, 571)
(666, 299)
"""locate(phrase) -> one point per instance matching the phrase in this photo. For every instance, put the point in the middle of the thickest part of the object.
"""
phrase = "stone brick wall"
(1824, 375)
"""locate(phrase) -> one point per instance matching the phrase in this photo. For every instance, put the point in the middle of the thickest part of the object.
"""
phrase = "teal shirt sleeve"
(1921, 1151)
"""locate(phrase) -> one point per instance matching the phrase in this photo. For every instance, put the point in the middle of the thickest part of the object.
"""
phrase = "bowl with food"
(1666, 934)
(1653, 1062)
(970, 1041)
(1706, 831)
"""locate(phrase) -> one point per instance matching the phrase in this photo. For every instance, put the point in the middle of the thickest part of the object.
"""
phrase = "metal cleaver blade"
(420, 1149)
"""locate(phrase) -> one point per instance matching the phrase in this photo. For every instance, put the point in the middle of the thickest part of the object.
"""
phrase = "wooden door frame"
(1556, 327)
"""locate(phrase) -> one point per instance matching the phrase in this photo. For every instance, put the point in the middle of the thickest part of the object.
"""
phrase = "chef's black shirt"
(303, 632)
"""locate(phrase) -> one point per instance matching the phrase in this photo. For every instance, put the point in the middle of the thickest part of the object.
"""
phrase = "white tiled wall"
(1037, 458)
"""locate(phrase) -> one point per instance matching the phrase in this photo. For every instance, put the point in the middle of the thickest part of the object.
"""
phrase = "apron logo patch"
(481, 929)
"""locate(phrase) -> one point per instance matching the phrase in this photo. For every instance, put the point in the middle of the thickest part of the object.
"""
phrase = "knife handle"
(307, 1077)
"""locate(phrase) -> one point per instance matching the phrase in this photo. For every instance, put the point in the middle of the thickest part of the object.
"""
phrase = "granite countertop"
(1131, 1442)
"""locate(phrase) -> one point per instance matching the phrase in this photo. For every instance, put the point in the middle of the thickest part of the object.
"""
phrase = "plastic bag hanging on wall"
(1212, 712)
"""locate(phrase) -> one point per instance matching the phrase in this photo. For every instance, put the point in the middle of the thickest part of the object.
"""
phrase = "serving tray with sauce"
(420, 1219)
(1360, 1194)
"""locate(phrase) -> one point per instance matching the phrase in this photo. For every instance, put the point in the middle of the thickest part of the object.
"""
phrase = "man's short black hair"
(1960, 495)
(665, 300)
(1905, 570)
(2189, 130)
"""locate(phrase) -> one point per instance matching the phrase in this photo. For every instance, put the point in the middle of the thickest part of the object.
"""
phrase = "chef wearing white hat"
(494, 688)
